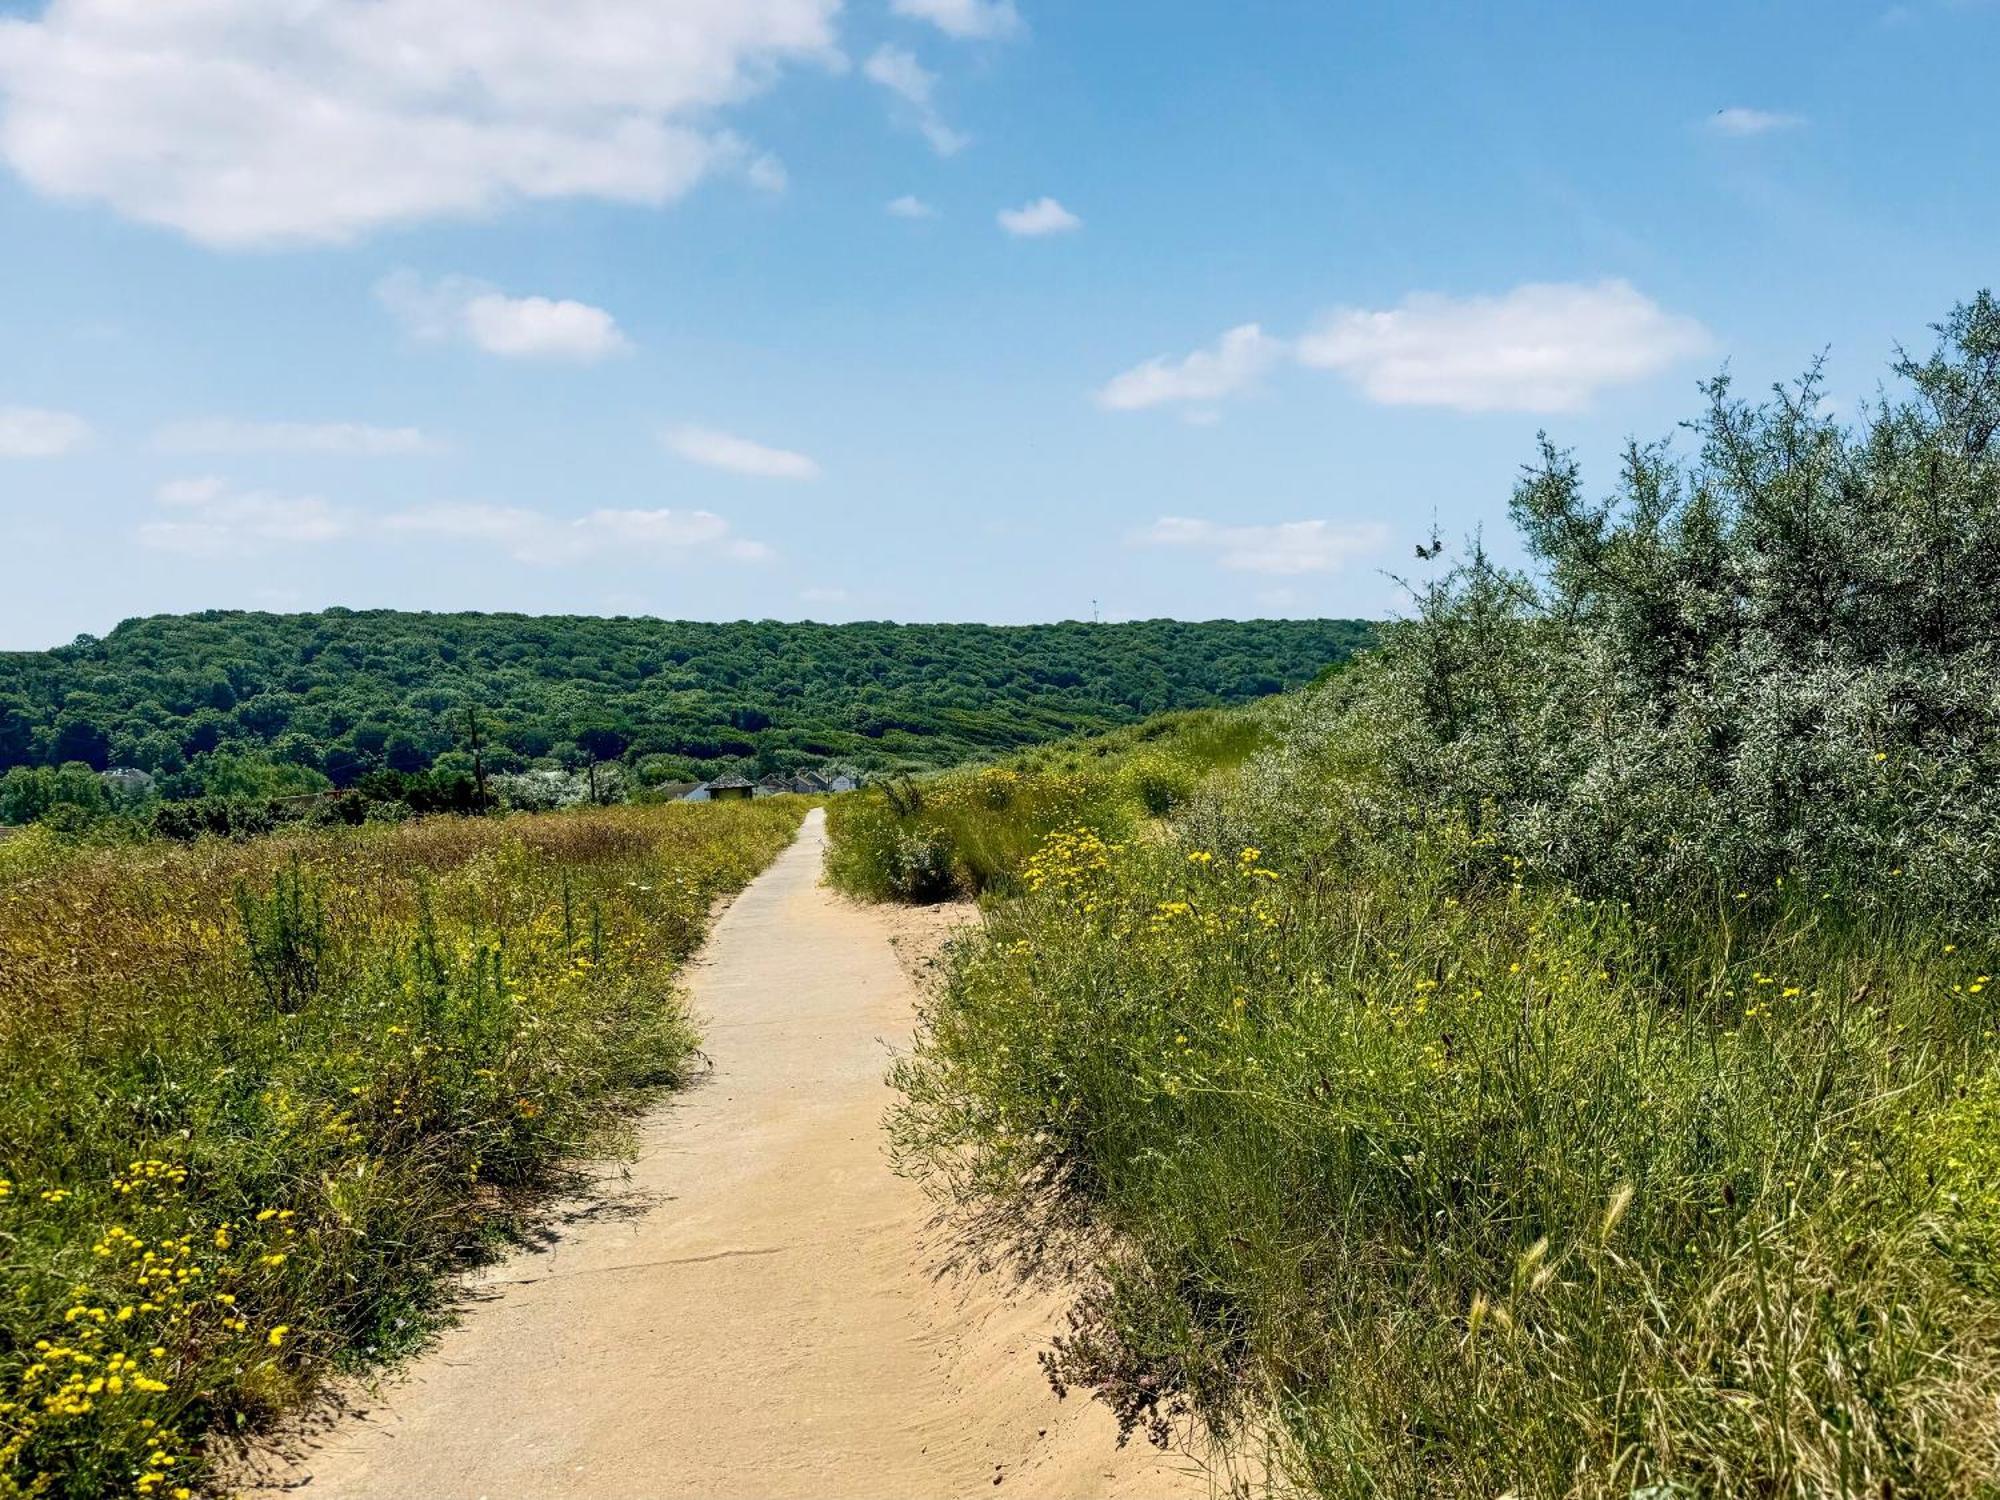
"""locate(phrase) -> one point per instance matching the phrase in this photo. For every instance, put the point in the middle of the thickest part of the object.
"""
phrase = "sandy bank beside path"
(746, 1312)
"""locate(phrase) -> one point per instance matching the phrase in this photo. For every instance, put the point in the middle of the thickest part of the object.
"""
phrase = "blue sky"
(914, 309)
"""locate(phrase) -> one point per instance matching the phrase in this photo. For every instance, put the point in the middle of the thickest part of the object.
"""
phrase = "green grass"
(261, 1098)
(1431, 1180)
(968, 832)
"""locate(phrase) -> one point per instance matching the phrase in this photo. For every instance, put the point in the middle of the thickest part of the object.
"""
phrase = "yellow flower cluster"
(1069, 862)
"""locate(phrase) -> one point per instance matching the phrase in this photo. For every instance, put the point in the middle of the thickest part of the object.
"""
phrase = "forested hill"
(349, 692)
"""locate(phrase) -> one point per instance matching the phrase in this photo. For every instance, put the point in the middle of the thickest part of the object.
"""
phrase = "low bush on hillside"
(1566, 1062)
(966, 832)
(261, 1095)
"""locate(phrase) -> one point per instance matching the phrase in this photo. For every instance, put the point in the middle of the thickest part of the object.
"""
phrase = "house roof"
(728, 784)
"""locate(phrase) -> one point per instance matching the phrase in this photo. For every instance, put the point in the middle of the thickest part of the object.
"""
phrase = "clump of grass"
(261, 1097)
(964, 833)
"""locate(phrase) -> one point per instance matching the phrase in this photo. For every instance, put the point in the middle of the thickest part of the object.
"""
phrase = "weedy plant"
(262, 1096)
(1564, 1062)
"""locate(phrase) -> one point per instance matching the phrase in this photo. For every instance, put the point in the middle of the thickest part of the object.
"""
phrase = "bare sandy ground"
(747, 1311)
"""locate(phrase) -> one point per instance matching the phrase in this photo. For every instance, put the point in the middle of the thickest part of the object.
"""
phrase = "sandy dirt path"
(747, 1311)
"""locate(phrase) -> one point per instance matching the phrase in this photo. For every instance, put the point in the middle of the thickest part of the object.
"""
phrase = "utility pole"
(1093, 613)
(478, 765)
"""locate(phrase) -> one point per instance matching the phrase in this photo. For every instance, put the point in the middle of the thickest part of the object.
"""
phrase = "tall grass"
(1440, 1183)
(259, 1097)
(963, 833)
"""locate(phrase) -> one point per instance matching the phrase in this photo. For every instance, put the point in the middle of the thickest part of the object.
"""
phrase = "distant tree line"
(234, 707)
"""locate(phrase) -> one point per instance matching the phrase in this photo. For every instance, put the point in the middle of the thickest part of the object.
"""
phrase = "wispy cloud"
(1042, 217)
(738, 455)
(460, 309)
(532, 536)
(209, 517)
(1238, 359)
(1739, 120)
(972, 20)
(240, 123)
(910, 206)
(30, 432)
(223, 435)
(1284, 549)
(897, 70)
(1540, 347)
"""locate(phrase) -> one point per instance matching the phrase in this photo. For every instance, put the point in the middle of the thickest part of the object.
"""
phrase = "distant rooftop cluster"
(803, 783)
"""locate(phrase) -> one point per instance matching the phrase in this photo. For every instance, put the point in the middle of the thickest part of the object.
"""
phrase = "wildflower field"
(1564, 1061)
(262, 1096)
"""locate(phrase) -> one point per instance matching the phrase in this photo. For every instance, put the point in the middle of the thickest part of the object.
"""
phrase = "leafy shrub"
(1159, 785)
(920, 870)
(541, 790)
(31, 793)
(1782, 657)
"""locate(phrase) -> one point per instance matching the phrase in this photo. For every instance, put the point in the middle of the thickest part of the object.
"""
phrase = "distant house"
(801, 783)
(674, 791)
(127, 783)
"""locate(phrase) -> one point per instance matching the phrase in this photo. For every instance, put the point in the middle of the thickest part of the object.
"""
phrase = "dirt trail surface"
(748, 1312)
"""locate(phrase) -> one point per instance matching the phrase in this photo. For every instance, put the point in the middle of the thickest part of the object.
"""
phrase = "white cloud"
(211, 518)
(768, 175)
(1539, 347)
(909, 206)
(458, 308)
(738, 455)
(1741, 121)
(897, 70)
(944, 140)
(533, 537)
(972, 20)
(220, 435)
(1240, 357)
(243, 122)
(1043, 216)
(29, 432)
(1285, 549)
(537, 327)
